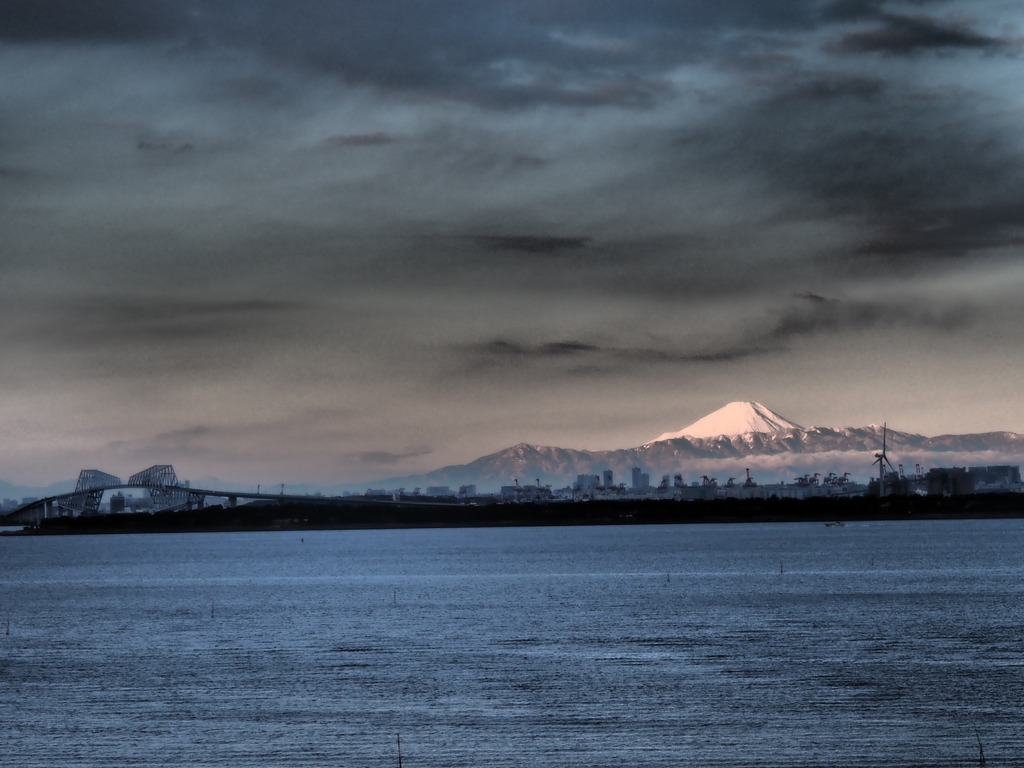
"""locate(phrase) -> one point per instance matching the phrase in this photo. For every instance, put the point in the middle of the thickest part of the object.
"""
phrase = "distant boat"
(837, 523)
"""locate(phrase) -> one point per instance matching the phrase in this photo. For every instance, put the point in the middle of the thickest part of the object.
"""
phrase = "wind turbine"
(881, 460)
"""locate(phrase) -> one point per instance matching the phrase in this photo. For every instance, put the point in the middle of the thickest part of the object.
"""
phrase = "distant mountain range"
(723, 444)
(730, 440)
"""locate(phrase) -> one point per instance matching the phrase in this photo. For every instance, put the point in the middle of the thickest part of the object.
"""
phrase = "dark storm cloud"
(904, 35)
(766, 334)
(501, 52)
(504, 52)
(170, 311)
(861, 10)
(528, 161)
(728, 353)
(864, 146)
(565, 348)
(832, 89)
(835, 318)
(377, 138)
(919, 170)
(852, 10)
(951, 231)
(808, 296)
(504, 348)
(146, 145)
(90, 20)
(602, 360)
(12, 174)
(115, 320)
(859, 149)
(531, 243)
(817, 315)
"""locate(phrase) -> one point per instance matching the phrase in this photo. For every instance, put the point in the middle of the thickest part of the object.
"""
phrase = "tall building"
(607, 479)
(1004, 476)
(637, 479)
(952, 481)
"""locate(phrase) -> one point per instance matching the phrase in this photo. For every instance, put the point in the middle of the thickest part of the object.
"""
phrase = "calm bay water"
(769, 645)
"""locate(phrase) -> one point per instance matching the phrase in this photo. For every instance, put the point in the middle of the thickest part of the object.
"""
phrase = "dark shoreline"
(356, 515)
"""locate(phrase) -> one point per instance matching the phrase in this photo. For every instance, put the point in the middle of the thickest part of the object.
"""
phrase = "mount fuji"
(735, 419)
(738, 436)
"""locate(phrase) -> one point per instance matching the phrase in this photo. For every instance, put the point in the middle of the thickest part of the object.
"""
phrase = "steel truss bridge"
(160, 481)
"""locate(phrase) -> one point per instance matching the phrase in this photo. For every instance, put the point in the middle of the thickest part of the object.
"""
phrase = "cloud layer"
(450, 227)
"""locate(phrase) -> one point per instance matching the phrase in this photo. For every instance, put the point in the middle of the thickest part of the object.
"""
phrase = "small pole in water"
(212, 604)
(981, 749)
(781, 568)
(8, 624)
(399, 737)
(396, 597)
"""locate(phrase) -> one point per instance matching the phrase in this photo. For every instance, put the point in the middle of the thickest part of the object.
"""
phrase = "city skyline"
(736, 438)
(321, 243)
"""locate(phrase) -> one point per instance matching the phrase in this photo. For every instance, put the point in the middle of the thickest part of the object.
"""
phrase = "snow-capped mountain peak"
(733, 438)
(737, 418)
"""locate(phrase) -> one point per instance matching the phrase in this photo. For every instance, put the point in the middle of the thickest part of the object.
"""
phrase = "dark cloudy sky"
(332, 241)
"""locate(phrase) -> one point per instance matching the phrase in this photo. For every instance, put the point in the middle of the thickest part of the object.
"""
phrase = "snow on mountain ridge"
(737, 418)
(736, 437)
(790, 452)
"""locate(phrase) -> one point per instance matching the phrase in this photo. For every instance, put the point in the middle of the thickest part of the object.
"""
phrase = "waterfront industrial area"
(158, 491)
(747, 425)
(941, 481)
